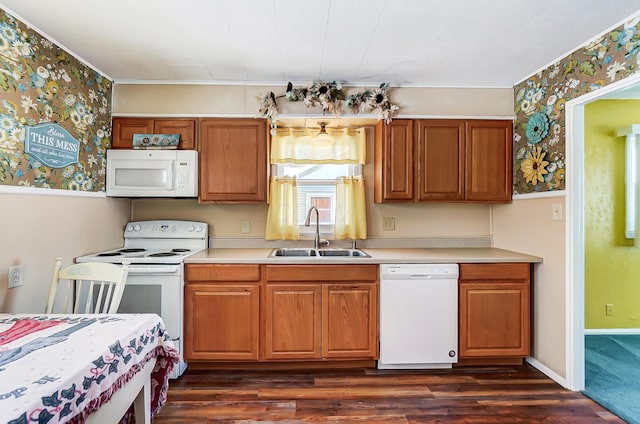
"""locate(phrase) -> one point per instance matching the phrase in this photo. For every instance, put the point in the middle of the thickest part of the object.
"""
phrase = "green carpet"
(612, 373)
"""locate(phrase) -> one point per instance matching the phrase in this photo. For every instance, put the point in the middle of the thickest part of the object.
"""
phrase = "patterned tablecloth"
(60, 368)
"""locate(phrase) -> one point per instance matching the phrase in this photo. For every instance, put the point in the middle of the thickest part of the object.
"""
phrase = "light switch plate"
(388, 223)
(556, 212)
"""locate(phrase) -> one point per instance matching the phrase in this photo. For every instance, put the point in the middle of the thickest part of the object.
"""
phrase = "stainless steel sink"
(343, 252)
(317, 253)
(293, 252)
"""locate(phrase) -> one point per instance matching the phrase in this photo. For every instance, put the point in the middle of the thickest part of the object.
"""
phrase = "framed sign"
(52, 145)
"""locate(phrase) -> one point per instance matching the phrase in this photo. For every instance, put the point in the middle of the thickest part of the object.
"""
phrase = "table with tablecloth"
(61, 368)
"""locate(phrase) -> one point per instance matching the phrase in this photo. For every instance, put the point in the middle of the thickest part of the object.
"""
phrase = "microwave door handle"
(171, 173)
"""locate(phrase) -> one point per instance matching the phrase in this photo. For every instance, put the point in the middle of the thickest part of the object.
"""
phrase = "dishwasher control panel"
(418, 271)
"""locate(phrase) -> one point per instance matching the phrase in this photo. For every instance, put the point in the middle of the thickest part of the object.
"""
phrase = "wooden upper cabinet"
(393, 162)
(233, 160)
(489, 163)
(124, 129)
(440, 159)
(185, 127)
(443, 160)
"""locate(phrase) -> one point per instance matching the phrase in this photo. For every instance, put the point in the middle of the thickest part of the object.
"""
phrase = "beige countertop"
(377, 256)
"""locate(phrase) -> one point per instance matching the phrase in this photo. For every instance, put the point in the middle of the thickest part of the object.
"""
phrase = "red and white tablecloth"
(61, 368)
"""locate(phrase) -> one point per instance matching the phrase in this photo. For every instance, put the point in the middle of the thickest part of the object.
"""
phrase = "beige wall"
(198, 100)
(38, 228)
(526, 226)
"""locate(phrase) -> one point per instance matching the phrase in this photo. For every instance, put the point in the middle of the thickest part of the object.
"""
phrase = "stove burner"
(132, 250)
(162, 254)
(181, 250)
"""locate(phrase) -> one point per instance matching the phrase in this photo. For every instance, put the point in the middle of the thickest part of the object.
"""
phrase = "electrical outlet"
(609, 309)
(388, 223)
(16, 276)
(245, 226)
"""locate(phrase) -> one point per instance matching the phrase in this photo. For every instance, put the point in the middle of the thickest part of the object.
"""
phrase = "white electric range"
(155, 253)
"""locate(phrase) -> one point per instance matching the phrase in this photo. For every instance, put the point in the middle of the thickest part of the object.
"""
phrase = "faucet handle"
(353, 244)
(324, 242)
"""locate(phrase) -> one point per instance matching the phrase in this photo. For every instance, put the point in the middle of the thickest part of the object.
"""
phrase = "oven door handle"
(164, 269)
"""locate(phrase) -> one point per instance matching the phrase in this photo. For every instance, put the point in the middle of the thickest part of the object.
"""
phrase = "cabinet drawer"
(502, 271)
(226, 273)
(321, 273)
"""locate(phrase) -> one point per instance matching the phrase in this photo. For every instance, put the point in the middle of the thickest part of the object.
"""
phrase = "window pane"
(325, 212)
(317, 187)
(317, 172)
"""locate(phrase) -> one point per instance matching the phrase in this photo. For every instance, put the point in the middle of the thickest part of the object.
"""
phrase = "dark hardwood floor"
(519, 394)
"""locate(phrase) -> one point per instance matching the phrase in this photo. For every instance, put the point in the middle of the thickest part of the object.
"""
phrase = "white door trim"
(574, 229)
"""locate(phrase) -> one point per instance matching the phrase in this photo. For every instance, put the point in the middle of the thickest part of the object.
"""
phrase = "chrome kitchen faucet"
(316, 242)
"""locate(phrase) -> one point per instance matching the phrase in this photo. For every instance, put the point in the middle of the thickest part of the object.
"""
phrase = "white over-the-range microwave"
(152, 173)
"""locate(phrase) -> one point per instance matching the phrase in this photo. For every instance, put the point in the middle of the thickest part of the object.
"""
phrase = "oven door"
(155, 289)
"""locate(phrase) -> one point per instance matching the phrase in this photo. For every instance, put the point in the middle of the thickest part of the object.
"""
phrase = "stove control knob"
(191, 228)
(136, 227)
(199, 228)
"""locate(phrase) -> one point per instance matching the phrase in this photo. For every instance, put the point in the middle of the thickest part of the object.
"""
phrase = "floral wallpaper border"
(540, 128)
(39, 83)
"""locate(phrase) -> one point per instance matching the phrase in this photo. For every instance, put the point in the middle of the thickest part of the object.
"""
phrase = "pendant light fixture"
(323, 139)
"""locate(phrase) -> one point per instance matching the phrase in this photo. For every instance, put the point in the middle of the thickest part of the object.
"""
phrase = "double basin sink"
(317, 253)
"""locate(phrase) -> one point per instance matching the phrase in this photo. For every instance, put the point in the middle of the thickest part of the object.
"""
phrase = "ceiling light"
(323, 139)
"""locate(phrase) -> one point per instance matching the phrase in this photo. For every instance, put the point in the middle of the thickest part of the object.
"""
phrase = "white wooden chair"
(90, 288)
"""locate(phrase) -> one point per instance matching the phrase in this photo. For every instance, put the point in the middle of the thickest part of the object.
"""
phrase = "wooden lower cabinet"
(222, 312)
(350, 320)
(494, 310)
(321, 312)
(280, 313)
(292, 321)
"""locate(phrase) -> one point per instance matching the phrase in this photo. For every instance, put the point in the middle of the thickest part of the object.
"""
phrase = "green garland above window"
(330, 97)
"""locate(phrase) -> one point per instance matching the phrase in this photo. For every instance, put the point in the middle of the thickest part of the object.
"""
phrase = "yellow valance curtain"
(351, 215)
(295, 145)
(282, 217)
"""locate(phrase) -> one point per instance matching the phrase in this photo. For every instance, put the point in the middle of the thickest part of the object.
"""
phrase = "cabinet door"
(494, 319)
(292, 321)
(393, 161)
(233, 161)
(124, 129)
(185, 127)
(221, 322)
(349, 321)
(440, 158)
(489, 161)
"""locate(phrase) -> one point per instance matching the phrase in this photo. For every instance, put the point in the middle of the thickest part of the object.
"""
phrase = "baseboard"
(548, 372)
(611, 331)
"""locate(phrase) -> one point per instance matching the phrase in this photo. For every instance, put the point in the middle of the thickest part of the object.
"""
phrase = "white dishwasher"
(418, 316)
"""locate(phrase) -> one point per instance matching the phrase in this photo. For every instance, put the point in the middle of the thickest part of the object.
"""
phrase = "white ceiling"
(461, 43)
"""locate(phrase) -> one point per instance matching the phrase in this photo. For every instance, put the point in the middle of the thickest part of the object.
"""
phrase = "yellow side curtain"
(282, 217)
(351, 215)
(296, 145)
